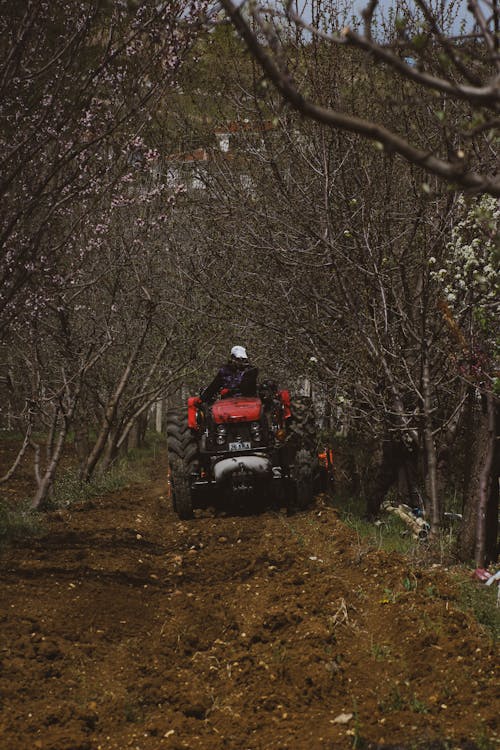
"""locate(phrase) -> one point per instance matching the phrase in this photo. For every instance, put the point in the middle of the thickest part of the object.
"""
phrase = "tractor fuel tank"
(240, 409)
(259, 466)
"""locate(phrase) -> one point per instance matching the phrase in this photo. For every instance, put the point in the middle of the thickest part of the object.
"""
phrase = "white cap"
(239, 352)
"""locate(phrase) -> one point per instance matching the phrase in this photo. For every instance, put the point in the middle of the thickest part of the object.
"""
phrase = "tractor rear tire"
(303, 475)
(183, 460)
(182, 500)
(302, 428)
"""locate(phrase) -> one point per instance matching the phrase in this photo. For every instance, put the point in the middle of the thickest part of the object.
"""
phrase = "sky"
(458, 7)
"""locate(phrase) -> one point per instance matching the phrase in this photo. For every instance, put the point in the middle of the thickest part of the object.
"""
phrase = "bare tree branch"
(454, 169)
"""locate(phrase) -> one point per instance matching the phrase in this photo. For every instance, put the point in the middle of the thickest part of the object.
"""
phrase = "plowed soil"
(122, 627)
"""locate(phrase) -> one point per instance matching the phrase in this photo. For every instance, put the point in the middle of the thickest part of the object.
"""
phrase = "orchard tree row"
(169, 193)
(343, 263)
(91, 296)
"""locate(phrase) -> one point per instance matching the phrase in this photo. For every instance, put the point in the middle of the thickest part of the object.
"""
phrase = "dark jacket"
(240, 381)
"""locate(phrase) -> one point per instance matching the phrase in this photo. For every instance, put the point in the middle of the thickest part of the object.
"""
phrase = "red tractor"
(256, 447)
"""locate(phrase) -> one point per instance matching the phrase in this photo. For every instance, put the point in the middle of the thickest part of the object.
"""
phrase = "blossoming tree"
(469, 282)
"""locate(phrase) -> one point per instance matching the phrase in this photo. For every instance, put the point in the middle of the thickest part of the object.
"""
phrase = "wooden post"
(159, 415)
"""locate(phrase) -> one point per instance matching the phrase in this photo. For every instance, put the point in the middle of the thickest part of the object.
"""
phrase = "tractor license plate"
(242, 446)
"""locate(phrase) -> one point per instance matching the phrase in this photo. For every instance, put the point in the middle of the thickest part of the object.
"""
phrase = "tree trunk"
(133, 436)
(478, 535)
(110, 413)
(488, 480)
(430, 453)
(492, 549)
(47, 480)
(81, 441)
(142, 421)
(110, 452)
(26, 442)
(393, 458)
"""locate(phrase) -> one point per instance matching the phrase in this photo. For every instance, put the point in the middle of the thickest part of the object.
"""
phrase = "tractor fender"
(258, 465)
(193, 404)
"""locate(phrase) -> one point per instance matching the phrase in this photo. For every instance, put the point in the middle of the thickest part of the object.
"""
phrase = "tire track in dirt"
(123, 627)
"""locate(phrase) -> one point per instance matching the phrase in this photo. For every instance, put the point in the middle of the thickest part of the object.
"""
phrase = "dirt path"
(124, 628)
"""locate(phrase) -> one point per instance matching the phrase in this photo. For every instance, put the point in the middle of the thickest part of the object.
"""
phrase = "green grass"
(481, 601)
(132, 467)
(154, 443)
(14, 436)
(390, 534)
(69, 489)
(18, 522)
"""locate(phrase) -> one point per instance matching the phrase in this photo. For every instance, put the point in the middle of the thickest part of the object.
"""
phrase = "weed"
(280, 653)
(431, 591)
(483, 742)
(340, 617)
(132, 713)
(448, 693)
(418, 706)
(358, 741)
(379, 651)
(410, 583)
(360, 594)
(430, 628)
(395, 701)
(390, 596)
(299, 538)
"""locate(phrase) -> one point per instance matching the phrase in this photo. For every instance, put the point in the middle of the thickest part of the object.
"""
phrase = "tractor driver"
(236, 377)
